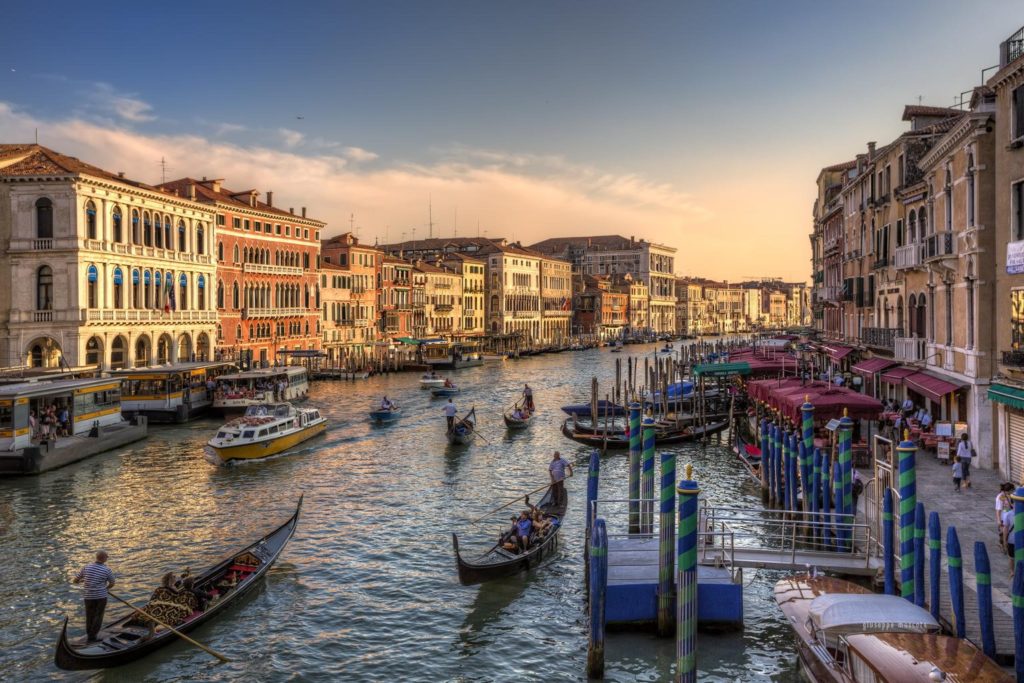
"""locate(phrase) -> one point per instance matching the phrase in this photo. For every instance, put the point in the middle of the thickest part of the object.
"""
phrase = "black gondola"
(516, 423)
(124, 640)
(464, 429)
(665, 425)
(497, 562)
(619, 441)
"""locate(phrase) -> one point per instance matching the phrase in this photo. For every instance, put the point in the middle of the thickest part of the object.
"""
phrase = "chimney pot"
(192, 191)
(270, 198)
(120, 174)
(204, 179)
(303, 212)
(291, 209)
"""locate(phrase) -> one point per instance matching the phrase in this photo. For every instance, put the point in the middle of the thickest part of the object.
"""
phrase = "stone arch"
(203, 347)
(163, 348)
(93, 352)
(43, 352)
(118, 353)
(143, 351)
(184, 347)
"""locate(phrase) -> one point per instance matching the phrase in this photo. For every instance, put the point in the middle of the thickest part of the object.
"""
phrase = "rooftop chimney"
(303, 212)
(204, 179)
(270, 198)
(871, 151)
(192, 191)
(120, 174)
(291, 209)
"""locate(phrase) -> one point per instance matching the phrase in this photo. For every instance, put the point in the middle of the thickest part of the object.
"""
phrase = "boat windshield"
(281, 411)
(256, 411)
(247, 434)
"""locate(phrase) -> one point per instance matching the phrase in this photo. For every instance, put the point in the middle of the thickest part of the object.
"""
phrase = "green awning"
(407, 340)
(1007, 395)
(719, 369)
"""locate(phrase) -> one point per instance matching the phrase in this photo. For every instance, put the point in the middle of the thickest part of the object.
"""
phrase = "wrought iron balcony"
(1014, 358)
(880, 337)
(939, 245)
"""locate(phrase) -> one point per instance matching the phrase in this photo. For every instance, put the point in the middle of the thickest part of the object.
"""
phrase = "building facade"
(100, 270)
(364, 265)
(394, 298)
(474, 278)
(556, 300)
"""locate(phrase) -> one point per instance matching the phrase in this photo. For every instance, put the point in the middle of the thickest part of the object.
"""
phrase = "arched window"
(158, 232)
(183, 299)
(922, 219)
(238, 333)
(158, 294)
(220, 252)
(37, 356)
(44, 219)
(147, 229)
(115, 219)
(182, 237)
(912, 227)
(201, 292)
(220, 332)
(136, 290)
(44, 289)
(168, 243)
(200, 241)
(235, 255)
(92, 351)
(220, 294)
(90, 220)
(136, 228)
(147, 292)
(118, 288)
(234, 296)
(117, 353)
(92, 277)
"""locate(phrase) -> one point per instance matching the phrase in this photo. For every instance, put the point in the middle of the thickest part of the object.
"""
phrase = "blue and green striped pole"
(983, 582)
(686, 603)
(666, 543)
(955, 562)
(1018, 618)
(792, 477)
(593, 478)
(779, 493)
(766, 460)
(807, 413)
(838, 518)
(816, 492)
(635, 443)
(919, 528)
(647, 478)
(787, 501)
(907, 452)
(1018, 524)
(844, 487)
(934, 563)
(826, 504)
(887, 542)
(598, 590)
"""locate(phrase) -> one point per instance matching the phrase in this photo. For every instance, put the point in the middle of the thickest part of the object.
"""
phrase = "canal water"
(367, 589)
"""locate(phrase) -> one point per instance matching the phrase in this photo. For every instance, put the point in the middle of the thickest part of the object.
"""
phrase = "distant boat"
(431, 380)
(385, 416)
(464, 430)
(443, 391)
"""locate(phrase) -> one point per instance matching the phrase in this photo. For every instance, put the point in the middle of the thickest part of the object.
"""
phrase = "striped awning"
(930, 385)
(1007, 395)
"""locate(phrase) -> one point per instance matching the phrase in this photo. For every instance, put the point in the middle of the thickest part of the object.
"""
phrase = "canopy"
(1007, 395)
(866, 613)
(714, 369)
(868, 367)
(929, 385)
(788, 395)
(407, 340)
(896, 375)
(838, 352)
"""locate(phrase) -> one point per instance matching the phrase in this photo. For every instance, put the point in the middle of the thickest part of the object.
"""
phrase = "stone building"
(473, 272)
(100, 270)
(556, 300)
(364, 264)
(442, 300)
(267, 263)
(394, 298)
(601, 311)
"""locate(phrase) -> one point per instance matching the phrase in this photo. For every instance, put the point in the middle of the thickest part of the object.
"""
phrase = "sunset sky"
(700, 125)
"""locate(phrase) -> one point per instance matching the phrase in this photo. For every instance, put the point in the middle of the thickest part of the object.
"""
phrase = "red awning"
(868, 367)
(929, 385)
(896, 375)
(838, 352)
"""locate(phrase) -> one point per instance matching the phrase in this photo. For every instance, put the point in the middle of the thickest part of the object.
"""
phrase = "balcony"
(442, 285)
(145, 315)
(910, 349)
(880, 337)
(267, 269)
(524, 314)
(1014, 358)
(878, 264)
(443, 308)
(908, 256)
(249, 313)
(939, 245)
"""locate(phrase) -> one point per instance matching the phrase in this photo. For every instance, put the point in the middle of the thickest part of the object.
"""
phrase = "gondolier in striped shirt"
(97, 578)
(557, 470)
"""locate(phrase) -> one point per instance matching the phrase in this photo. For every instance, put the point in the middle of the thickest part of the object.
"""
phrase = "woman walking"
(965, 451)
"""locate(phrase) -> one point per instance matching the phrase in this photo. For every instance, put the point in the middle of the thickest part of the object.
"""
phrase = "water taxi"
(175, 392)
(263, 431)
(264, 386)
(431, 380)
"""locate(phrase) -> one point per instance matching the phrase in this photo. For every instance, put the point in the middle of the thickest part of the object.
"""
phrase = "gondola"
(463, 432)
(603, 407)
(123, 641)
(385, 416)
(514, 423)
(661, 425)
(619, 440)
(498, 562)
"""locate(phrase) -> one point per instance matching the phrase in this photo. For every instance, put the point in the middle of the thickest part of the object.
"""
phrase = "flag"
(566, 304)
(169, 304)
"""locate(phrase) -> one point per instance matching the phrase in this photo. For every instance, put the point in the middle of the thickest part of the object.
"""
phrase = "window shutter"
(1018, 112)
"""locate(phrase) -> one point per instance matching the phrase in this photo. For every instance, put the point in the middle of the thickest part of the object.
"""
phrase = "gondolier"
(97, 578)
(528, 397)
(557, 470)
(450, 411)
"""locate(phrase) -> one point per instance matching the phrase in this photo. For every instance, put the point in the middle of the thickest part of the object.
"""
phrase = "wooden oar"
(173, 630)
(511, 502)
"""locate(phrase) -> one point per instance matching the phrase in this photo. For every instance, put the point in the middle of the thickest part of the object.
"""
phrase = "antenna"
(37, 136)
(477, 227)
(430, 214)
(163, 170)
(455, 224)
(351, 222)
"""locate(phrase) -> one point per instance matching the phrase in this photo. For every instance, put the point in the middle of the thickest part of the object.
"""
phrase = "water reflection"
(367, 588)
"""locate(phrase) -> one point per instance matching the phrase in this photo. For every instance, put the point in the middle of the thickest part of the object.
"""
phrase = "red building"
(395, 303)
(268, 297)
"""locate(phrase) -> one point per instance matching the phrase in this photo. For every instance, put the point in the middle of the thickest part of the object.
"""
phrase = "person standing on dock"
(557, 469)
(98, 578)
(450, 411)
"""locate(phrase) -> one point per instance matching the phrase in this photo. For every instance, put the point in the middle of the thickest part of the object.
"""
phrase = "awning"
(407, 340)
(895, 375)
(929, 385)
(868, 367)
(1010, 396)
(837, 352)
(714, 369)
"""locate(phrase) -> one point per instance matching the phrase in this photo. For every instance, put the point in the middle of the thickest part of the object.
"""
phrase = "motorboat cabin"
(263, 431)
(175, 392)
(90, 403)
(236, 392)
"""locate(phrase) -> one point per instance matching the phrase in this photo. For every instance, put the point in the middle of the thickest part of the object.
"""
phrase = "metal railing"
(939, 245)
(268, 269)
(909, 349)
(880, 337)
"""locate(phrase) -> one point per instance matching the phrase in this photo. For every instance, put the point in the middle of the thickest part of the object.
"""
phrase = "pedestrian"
(1003, 503)
(557, 470)
(1008, 537)
(97, 578)
(897, 422)
(62, 420)
(33, 426)
(958, 472)
(857, 489)
(450, 411)
(965, 451)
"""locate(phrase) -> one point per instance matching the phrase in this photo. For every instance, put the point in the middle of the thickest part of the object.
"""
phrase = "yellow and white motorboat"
(263, 431)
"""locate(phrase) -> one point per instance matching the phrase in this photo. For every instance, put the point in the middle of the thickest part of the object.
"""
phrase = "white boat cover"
(838, 613)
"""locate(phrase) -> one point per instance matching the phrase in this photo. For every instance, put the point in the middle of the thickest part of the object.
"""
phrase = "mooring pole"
(598, 589)
(635, 443)
(907, 452)
(647, 478)
(666, 543)
(593, 479)
(844, 487)
(934, 563)
(1018, 618)
(765, 466)
(983, 582)
(686, 601)
(887, 543)
(807, 413)
(919, 528)
(955, 563)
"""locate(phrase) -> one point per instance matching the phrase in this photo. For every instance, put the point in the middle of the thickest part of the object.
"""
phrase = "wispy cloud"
(359, 154)
(125, 106)
(290, 138)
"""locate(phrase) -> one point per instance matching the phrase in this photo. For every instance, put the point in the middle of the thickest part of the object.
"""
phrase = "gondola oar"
(173, 630)
(511, 502)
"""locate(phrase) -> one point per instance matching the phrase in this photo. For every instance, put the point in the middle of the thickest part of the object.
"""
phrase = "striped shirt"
(96, 577)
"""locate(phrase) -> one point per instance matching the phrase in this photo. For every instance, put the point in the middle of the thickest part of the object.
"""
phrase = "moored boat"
(264, 431)
(464, 430)
(620, 440)
(499, 562)
(847, 634)
(263, 386)
(493, 357)
(128, 638)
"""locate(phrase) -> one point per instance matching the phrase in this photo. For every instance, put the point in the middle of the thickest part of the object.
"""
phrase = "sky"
(698, 125)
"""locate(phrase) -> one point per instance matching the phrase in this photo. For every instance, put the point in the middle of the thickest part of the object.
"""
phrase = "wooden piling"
(919, 527)
(887, 544)
(934, 563)
(956, 581)
(598, 592)
(666, 547)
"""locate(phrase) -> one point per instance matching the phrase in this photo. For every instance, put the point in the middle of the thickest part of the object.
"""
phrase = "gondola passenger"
(524, 525)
